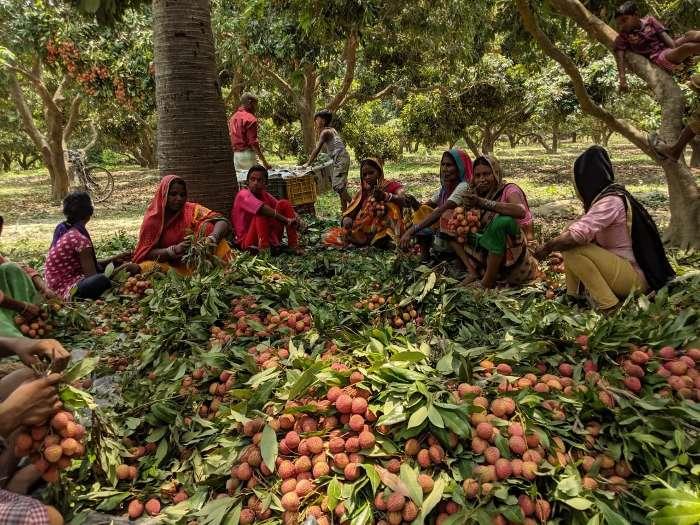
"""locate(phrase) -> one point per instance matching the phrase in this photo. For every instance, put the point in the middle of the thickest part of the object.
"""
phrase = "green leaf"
(80, 369)
(431, 501)
(610, 516)
(306, 379)
(373, 476)
(418, 417)
(444, 365)
(682, 514)
(156, 434)
(74, 398)
(334, 491)
(579, 503)
(410, 479)
(435, 417)
(269, 447)
(112, 502)
(429, 285)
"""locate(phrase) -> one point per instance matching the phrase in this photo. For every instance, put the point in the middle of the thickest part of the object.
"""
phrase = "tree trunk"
(6, 159)
(488, 140)
(695, 157)
(512, 141)
(606, 137)
(193, 139)
(555, 138)
(414, 148)
(473, 146)
(574, 137)
(540, 139)
(683, 191)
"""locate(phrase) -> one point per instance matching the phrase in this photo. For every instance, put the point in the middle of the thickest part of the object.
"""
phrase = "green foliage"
(370, 131)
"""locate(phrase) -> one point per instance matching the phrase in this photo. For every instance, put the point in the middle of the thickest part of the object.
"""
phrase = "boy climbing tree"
(648, 37)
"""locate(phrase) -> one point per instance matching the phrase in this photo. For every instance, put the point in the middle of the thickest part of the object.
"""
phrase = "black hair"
(257, 167)
(326, 115)
(628, 8)
(77, 206)
(481, 161)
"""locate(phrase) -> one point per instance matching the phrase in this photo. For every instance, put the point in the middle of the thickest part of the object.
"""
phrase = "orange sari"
(157, 233)
(367, 228)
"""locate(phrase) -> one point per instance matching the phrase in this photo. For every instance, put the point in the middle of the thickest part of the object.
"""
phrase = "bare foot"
(470, 279)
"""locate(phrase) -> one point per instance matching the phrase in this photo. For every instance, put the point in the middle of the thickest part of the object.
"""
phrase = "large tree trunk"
(488, 140)
(555, 138)
(683, 191)
(193, 137)
(542, 142)
(695, 157)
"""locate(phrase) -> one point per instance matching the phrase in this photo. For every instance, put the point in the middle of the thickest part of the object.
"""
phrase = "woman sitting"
(21, 287)
(455, 169)
(500, 250)
(259, 219)
(615, 248)
(169, 218)
(374, 216)
(72, 268)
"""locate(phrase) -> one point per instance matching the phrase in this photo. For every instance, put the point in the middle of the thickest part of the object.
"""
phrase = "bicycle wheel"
(99, 183)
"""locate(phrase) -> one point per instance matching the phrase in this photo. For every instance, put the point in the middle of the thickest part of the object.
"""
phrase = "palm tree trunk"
(193, 137)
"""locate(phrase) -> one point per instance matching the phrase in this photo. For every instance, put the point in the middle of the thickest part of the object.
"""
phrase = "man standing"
(243, 130)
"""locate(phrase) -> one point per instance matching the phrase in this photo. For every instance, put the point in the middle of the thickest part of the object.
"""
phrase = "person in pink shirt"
(648, 37)
(72, 269)
(615, 248)
(259, 219)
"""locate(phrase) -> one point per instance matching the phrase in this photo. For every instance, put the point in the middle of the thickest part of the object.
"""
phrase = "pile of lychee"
(52, 446)
(405, 315)
(35, 328)
(268, 357)
(371, 303)
(464, 222)
(135, 286)
(681, 371)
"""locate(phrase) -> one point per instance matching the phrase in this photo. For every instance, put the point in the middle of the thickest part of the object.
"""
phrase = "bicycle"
(94, 179)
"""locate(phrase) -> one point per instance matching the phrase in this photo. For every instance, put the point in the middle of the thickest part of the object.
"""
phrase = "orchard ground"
(30, 217)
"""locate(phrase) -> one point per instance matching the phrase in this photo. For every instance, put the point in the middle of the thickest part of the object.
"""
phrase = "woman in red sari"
(170, 217)
(374, 217)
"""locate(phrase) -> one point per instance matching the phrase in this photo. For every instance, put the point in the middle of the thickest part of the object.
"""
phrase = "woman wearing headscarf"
(169, 218)
(72, 268)
(455, 170)
(374, 216)
(500, 251)
(614, 249)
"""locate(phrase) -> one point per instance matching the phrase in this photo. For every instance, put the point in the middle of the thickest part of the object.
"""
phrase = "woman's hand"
(30, 404)
(31, 350)
(180, 249)
(122, 258)
(541, 252)
(30, 311)
(405, 241)
(380, 195)
(50, 295)
(471, 200)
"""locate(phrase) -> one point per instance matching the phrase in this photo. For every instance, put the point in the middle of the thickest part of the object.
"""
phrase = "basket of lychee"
(53, 446)
(35, 328)
(462, 223)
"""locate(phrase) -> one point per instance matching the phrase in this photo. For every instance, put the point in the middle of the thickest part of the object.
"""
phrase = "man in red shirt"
(243, 130)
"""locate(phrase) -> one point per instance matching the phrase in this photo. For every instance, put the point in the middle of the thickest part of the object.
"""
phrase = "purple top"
(646, 40)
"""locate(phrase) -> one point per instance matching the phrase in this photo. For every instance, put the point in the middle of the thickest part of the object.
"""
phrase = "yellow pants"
(607, 277)
(223, 251)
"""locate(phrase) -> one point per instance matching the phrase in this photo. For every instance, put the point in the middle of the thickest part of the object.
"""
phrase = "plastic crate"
(306, 209)
(277, 187)
(301, 190)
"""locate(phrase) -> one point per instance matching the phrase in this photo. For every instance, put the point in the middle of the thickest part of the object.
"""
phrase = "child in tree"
(648, 37)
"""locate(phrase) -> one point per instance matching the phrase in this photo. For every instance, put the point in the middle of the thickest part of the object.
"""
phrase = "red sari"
(157, 233)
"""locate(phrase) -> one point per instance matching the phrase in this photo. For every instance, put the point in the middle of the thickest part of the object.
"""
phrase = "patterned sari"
(156, 232)
(499, 234)
(367, 228)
